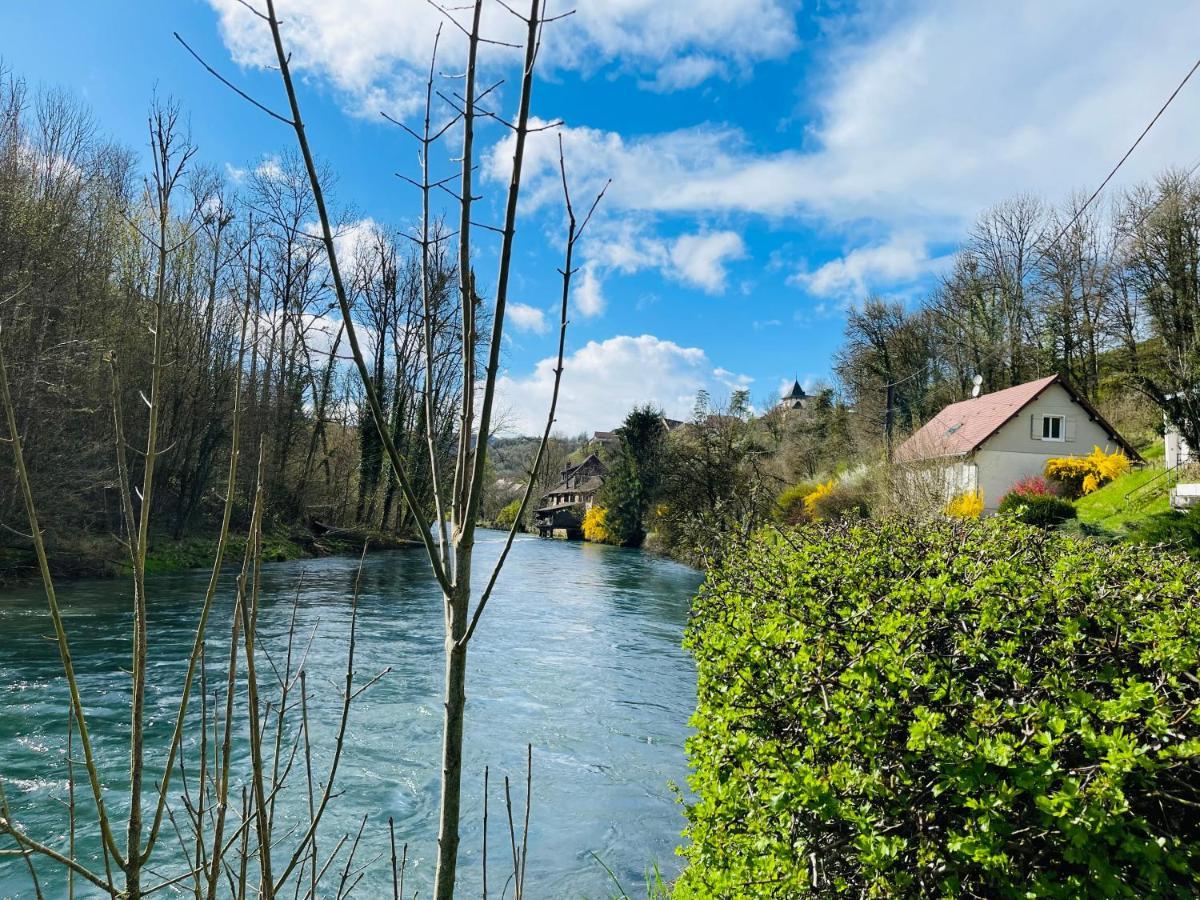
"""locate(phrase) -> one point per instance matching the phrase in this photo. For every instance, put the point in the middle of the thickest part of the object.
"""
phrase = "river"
(578, 654)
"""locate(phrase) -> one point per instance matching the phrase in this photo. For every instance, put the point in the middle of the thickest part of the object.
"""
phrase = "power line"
(1078, 214)
(1096, 193)
(1160, 201)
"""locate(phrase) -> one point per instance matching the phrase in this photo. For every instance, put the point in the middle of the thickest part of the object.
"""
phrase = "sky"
(772, 162)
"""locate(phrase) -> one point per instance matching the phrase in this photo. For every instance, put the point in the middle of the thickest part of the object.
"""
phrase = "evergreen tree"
(633, 479)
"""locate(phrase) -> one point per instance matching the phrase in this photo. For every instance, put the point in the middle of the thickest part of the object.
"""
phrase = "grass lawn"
(1108, 509)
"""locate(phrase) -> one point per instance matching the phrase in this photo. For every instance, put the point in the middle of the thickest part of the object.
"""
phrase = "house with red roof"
(991, 442)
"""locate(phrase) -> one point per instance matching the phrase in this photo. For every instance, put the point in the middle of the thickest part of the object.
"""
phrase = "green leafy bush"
(1043, 510)
(952, 709)
(508, 515)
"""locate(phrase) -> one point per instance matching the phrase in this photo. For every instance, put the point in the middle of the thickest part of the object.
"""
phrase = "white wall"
(1178, 451)
(999, 470)
(1023, 433)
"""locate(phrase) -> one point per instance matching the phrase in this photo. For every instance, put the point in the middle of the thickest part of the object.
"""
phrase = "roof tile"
(961, 427)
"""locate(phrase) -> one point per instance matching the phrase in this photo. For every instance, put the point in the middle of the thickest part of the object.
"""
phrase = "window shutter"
(1069, 428)
(1034, 433)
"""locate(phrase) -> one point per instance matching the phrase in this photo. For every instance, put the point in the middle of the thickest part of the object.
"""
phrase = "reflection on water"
(578, 654)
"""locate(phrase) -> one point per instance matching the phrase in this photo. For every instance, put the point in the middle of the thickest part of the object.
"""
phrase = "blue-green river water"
(578, 654)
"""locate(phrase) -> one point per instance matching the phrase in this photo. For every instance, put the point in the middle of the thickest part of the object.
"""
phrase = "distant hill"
(510, 457)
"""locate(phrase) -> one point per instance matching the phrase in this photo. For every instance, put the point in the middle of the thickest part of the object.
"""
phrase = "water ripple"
(579, 655)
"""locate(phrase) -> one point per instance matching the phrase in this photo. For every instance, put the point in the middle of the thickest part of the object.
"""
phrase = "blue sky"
(773, 161)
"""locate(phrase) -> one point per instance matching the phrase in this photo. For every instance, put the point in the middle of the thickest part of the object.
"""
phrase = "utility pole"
(888, 418)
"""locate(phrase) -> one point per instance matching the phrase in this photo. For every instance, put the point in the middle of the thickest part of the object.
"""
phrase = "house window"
(1052, 428)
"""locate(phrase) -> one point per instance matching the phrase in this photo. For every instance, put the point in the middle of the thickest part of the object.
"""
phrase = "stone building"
(795, 398)
(561, 511)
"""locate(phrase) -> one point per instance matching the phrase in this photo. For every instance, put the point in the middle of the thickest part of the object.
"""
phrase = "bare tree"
(1073, 293)
(1162, 257)
(449, 539)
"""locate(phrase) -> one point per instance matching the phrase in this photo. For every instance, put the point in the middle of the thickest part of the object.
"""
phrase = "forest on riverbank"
(246, 290)
(1107, 297)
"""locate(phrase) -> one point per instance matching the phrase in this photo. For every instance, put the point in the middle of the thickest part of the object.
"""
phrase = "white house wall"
(961, 477)
(999, 470)
(935, 481)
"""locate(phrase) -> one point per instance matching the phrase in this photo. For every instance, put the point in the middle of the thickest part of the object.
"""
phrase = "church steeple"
(795, 398)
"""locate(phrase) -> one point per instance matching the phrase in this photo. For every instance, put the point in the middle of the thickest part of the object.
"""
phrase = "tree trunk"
(455, 702)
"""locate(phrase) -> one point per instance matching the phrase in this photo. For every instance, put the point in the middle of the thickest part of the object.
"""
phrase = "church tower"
(795, 398)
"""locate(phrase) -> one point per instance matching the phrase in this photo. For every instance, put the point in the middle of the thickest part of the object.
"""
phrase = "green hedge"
(1043, 510)
(955, 709)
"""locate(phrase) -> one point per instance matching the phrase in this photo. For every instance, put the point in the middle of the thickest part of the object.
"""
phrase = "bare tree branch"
(229, 84)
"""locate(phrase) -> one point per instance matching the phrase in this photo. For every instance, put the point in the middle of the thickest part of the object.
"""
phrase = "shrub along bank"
(950, 708)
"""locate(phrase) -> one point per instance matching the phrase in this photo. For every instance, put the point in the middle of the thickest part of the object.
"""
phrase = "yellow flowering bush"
(813, 500)
(1081, 475)
(657, 517)
(967, 505)
(595, 526)
(789, 506)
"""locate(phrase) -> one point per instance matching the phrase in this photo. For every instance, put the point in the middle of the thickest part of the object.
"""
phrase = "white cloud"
(603, 380)
(960, 105)
(685, 72)
(700, 259)
(902, 259)
(318, 331)
(526, 318)
(350, 241)
(648, 172)
(588, 292)
(643, 34)
(732, 380)
(375, 51)
(625, 244)
(321, 331)
(929, 121)
(922, 115)
(354, 238)
(628, 246)
(268, 169)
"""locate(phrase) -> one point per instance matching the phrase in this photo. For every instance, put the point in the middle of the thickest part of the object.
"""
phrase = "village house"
(561, 511)
(605, 440)
(991, 442)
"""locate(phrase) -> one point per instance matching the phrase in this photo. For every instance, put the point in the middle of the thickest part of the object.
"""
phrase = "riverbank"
(102, 556)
